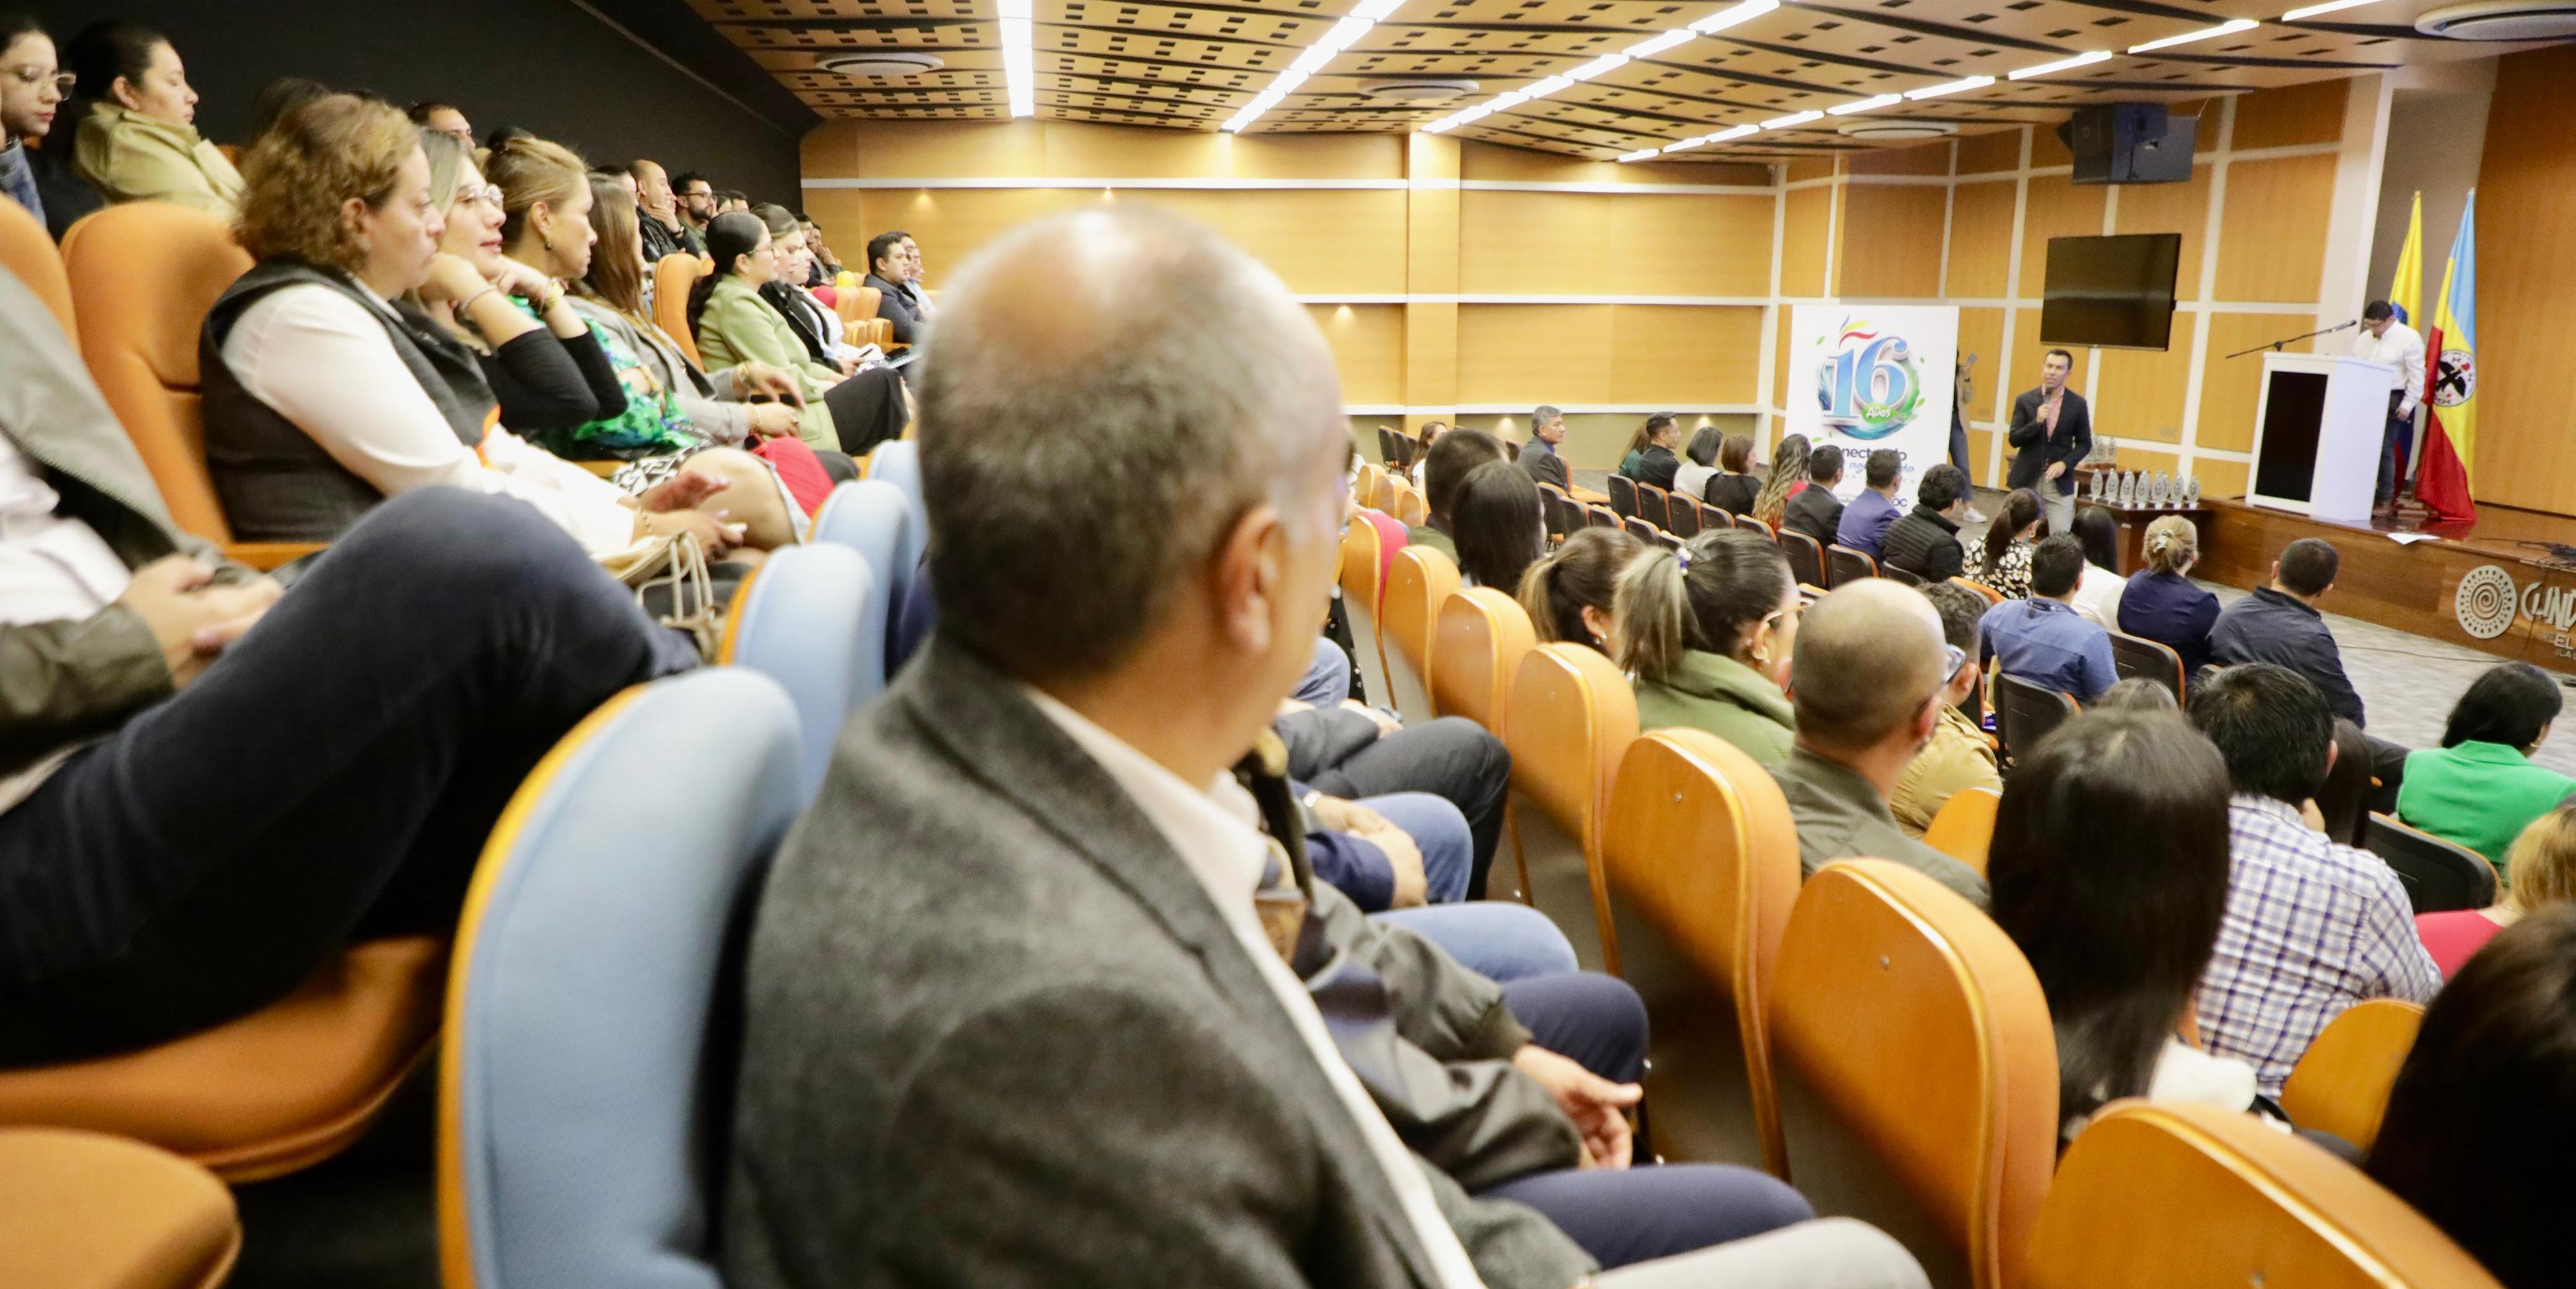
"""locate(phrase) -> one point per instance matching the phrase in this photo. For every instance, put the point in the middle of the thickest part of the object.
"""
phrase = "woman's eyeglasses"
(35, 77)
(488, 194)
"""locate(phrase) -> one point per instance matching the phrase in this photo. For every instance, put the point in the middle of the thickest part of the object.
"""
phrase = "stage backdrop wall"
(2277, 196)
(2526, 273)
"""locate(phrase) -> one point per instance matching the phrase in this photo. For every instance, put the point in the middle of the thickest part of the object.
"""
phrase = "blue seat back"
(899, 463)
(803, 621)
(873, 518)
(587, 1071)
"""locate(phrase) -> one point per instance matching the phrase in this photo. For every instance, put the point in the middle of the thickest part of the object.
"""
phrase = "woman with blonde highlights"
(1706, 634)
(1788, 475)
(2162, 603)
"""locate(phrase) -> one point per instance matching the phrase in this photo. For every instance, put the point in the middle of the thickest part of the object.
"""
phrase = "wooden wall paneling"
(1985, 154)
(2138, 393)
(1981, 332)
(2172, 208)
(1780, 359)
(1316, 240)
(2272, 230)
(1980, 445)
(1430, 358)
(2057, 208)
(950, 224)
(2023, 371)
(1513, 243)
(1921, 159)
(1368, 343)
(926, 149)
(1802, 241)
(2290, 115)
(1811, 168)
(1489, 162)
(1534, 353)
(2046, 149)
(1683, 355)
(1891, 240)
(2219, 478)
(1684, 244)
(1981, 217)
(2526, 261)
(2229, 388)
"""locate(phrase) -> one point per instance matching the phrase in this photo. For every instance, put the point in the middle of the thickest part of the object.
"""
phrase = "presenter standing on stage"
(2052, 430)
(2384, 339)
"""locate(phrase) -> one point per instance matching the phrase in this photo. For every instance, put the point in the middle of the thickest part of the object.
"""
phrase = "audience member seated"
(212, 786)
(1925, 542)
(1445, 467)
(2312, 926)
(1432, 433)
(2043, 639)
(888, 269)
(2477, 1136)
(1538, 456)
(1733, 488)
(1815, 511)
(2347, 798)
(1093, 1006)
(2279, 623)
(661, 227)
(1497, 527)
(1572, 595)
(445, 118)
(916, 286)
(1650, 456)
(328, 389)
(816, 325)
(734, 325)
(137, 139)
(1865, 521)
(2161, 602)
(1707, 634)
(1699, 464)
(2480, 788)
(826, 266)
(2097, 597)
(696, 199)
(1788, 476)
(2000, 557)
(33, 94)
(2540, 870)
(1868, 685)
(1959, 755)
(2137, 694)
(2109, 865)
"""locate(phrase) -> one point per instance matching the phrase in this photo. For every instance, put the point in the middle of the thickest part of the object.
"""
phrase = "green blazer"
(1716, 693)
(740, 327)
(2479, 795)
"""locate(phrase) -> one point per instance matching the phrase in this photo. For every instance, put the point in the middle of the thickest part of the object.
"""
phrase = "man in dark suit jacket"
(1815, 511)
(1538, 456)
(1029, 1000)
(2051, 432)
(886, 271)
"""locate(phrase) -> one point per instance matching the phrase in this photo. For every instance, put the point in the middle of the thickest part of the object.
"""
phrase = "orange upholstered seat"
(2342, 1081)
(1965, 827)
(83, 1211)
(27, 253)
(1418, 583)
(1571, 717)
(672, 276)
(1476, 648)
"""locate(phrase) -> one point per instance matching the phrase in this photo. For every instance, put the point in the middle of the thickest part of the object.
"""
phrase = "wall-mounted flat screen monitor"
(2117, 292)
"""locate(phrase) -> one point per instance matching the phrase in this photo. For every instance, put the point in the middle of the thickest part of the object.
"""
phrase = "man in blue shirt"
(1866, 519)
(2043, 639)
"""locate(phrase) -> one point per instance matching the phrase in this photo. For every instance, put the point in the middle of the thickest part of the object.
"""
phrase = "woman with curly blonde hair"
(2162, 603)
(1788, 474)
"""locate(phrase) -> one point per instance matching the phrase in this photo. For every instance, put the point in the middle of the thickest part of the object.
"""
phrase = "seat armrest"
(268, 555)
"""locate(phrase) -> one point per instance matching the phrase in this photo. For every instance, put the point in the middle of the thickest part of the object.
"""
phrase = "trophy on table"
(2191, 493)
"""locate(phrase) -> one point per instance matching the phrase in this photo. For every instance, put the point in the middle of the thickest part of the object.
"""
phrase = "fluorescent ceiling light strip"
(1650, 48)
(1641, 154)
(1960, 86)
(2061, 65)
(1866, 105)
(1793, 119)
(2223, 29)
(1719, 21)
(1598, 66)
(1019, 64)
(2331, 6)
(1736, 133)
(1342, 35)
(1686, 144)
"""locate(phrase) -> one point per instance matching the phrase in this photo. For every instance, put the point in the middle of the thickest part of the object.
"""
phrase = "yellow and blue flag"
(2451, 381)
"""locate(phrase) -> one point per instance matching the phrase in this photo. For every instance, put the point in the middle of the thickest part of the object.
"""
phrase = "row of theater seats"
(672, 275)
(1867, 1035)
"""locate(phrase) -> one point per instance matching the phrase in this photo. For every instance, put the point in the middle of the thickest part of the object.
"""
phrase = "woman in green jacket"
(138, 139)
(2479, 788)
(1705, 634)
(843, 412)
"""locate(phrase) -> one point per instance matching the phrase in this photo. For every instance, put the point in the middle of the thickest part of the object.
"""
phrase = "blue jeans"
(1328, 678)
(1500, 941)
(1440, 833)
(332, 777)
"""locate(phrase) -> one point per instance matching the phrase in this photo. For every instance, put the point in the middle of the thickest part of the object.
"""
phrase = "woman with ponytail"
(1788, 476)
(1705, 634)
(2001, 558)
(2162, 603)
(734, 325)
(1571, 594)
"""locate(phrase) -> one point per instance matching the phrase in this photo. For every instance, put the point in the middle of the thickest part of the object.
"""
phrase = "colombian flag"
(2406, 287)
(2451, 382)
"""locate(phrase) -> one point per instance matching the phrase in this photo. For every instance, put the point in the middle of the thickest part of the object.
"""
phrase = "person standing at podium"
(2383, 339)
(2052, 432)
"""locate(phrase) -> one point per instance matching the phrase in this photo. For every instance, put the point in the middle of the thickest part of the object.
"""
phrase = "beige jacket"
(133, 157)
(1957, 758)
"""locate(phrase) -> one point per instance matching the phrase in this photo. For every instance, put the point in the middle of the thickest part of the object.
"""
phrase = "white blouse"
(321, 361)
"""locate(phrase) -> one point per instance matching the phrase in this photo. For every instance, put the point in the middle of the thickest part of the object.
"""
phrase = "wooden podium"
(2317, 429)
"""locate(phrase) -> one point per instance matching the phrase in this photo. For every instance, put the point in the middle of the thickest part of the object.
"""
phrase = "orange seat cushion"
(83, 1211)
(280, 1089)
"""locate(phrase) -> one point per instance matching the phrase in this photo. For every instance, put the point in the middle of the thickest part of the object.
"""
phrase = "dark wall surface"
(552, 66)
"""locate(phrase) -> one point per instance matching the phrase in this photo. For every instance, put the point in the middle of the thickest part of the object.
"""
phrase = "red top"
(2452, 937)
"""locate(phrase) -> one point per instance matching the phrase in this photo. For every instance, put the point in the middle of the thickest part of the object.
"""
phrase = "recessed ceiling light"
(883, 64)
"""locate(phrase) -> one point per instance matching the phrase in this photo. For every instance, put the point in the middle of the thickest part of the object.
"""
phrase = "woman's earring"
(548, 242)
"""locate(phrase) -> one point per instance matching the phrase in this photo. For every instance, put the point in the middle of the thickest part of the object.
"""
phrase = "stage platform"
(2493, 585)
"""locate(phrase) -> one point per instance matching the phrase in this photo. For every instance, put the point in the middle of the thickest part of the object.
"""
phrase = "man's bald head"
(1869, 657)
(1105, 395)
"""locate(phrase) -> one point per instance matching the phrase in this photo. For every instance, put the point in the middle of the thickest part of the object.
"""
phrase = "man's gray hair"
(1545, 415)
(1106, 394)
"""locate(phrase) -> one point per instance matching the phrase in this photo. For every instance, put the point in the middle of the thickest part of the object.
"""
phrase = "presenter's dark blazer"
(2071, 444)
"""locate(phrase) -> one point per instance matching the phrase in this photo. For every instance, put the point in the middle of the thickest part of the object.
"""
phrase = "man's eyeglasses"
(33, 77)
(1954, 660)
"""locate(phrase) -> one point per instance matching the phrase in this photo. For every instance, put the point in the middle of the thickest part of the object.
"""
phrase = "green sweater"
(1724, 697)
(2478, 795)
(740, 327)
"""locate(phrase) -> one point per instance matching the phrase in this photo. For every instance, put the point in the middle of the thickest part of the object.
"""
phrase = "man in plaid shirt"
(2312, 927)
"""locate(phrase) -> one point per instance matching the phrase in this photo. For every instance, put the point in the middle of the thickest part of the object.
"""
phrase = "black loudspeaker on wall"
(2129, 143)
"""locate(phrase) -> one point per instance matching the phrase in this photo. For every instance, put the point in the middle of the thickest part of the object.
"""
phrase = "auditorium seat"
(1367, 487)
(2439, 876)
(1805, 555)
(801, 619)
(673, 274)
(1477, 645)
(1623, 495)
(1601, 517)
(1412, 509)
(860, 325)
(1702, 862)
(1965, 826)
(1640, 529)
(1900, 573)
(1668, 541)
(1367, 550)
(1991, 596)
(143, 276)
(27, 253)
(2158, 1196)
(1654, 505)
(1418, 582)
(1386, 451)
(1713, 518)
(1682, 515)
(279, 1090)
(1752, 525)
(2133, 657)
(81, 1210)
(1558, 508)
(584, 1084)
(1916, 1069)
(898, 462)
(868, 516)
(2342, 1081)
(1845, 564)
(1570, 719)
(2025, 712)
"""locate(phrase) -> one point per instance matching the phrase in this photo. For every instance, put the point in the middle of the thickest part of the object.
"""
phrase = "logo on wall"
(2485, 602)
(2456, 379)
(1867, 384)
